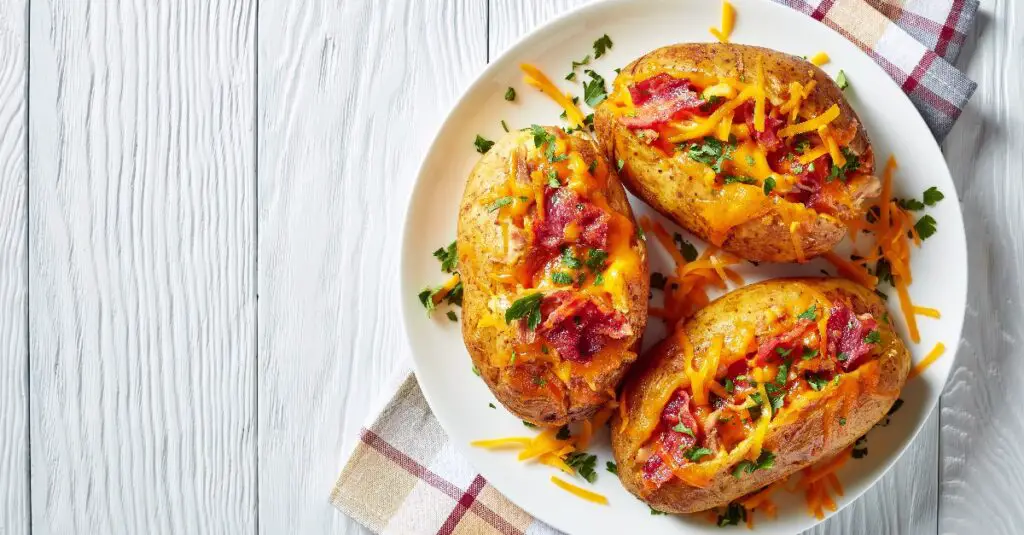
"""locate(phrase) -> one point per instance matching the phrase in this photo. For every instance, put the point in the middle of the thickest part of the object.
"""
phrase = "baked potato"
(751, 149)
(554, 273)
(762, 382)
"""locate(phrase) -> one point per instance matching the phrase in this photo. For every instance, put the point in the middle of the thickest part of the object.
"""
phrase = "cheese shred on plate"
(928, 360)
(581, 492)
(728, 23)
(534, 77)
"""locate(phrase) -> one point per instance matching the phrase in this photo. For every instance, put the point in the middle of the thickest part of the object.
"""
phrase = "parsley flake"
(526, 307)
(482, 144)
(602, 45)
(510, 94)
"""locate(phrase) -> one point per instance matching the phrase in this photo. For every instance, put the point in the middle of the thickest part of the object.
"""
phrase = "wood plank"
(350, 94)
(982, 424)
(14, 489)
(142, 264)
(906, 499)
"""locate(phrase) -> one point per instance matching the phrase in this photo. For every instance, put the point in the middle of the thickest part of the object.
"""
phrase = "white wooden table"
(200, 203)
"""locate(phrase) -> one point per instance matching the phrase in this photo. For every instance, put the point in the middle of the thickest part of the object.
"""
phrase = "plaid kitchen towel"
(405, 477)
(915, 41)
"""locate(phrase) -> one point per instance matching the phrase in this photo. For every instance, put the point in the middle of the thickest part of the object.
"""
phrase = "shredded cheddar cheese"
(506, 442)
(534, 77)
(812, 155)
(820, 59)
(811, 125)
(851, 271)
(759, 102)
(928, 360)
(445, 289)
(927, 312)
(581, 492)
(728, 22)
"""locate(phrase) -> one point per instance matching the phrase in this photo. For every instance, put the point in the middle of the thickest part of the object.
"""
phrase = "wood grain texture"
(14, 487)
(982, 421)
(142, 250)
(350, 94)
(905, 500)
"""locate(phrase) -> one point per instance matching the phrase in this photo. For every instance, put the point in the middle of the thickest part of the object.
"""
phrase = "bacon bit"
(661, 98)
(846, 333)
(578, 327)
(928, 360)
(851, 271)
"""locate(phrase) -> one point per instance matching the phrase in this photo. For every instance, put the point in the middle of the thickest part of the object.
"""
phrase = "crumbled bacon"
(661, 98)
(561, 208)
(812, 177)
(769, 137)
(578, 327)
(671, 442)
(846, 335)
(788, 340)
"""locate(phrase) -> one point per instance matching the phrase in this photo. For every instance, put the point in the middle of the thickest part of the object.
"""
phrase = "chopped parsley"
(539, 381)
(733, 179)
(925, 227)
(751, 161)
(769, 185)
(809, 314)
(809, 353)
(451, 315)
(569, 259)
(602, 45)
(491, 405)
(873, 337)
(883, 271)
(504, 126)
(842, 421)
(841, 80)
(596, 259)
(526, 307)
(476, 371)
(730, 386)
(563, 433)
(695, 454)
(510, 94)
(783, 375)
(843, 357)
(553, 181)
(655, 512)
(932, 195)
(571, 77)
(583, 463)
(783, 352)
(528, 424)
(816, 382)
(912, 205)
(765, 461)
(582, 62)
(734, 514)
(681, 428)
(852, 164)
(561, 277)
(687, 249)
(449, 257)
(594, 92)
(658, 280)
(712, 152)
(482, 144)
(611, 467)
(619, 164)
(499, 203)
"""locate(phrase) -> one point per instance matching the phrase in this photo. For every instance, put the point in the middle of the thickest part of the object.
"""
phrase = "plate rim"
(509, 53)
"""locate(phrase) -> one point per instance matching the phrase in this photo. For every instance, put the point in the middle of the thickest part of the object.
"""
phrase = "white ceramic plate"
(460, 399)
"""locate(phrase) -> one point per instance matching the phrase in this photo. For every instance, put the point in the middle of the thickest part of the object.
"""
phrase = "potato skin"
(482, 254)
(796, 444)
(659, 181)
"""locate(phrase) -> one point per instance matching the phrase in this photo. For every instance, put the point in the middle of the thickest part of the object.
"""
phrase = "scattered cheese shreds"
(581, 492)
(851, 271)
(811, 125)
(927, 312)
(928, 360)
(728, 22)
(534, 77)
(820, 59)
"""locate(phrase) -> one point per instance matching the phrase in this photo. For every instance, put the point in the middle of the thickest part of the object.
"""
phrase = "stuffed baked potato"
(555, 278)
(760, 383)
(751, 149)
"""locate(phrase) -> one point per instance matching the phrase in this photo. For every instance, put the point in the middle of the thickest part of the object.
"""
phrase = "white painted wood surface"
(14, 487)
(350, 94)
(183, 157)
(141, 273)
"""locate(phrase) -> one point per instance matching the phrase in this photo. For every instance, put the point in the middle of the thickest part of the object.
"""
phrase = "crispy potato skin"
(796, 444)
(662, 184)
(482, 254)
